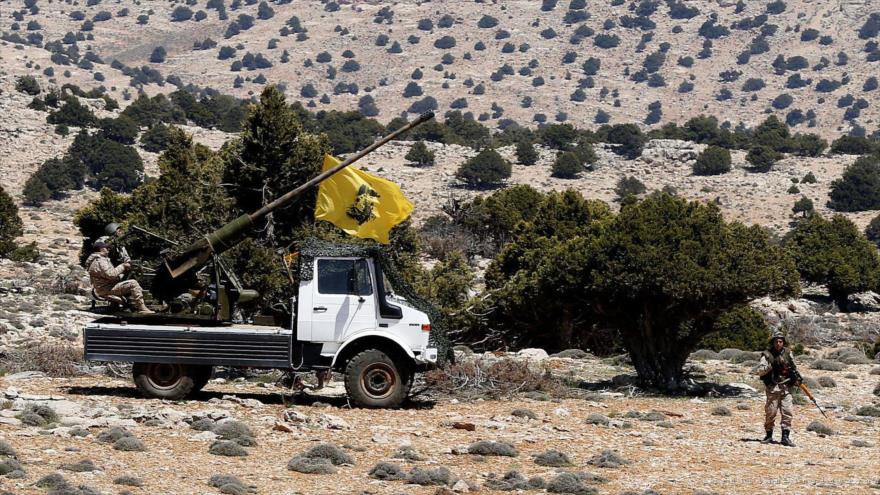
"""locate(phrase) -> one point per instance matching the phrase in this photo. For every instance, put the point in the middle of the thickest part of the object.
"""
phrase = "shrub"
(714, 160)
(859, 188)
(419, 155)
(181, 13)
(567, 165)
(158, 55)
(628, 186)
(83, 466)
(27, 85)
(606, 41)
(486, 169)
(227, 448)
(762, 158)
(827, 365)
(72, 113)
(487, 22)
(446, 42)
(156, 138)
(526, 154)
(489, 448)
(629, 139)
(820, 428)
(553, 458)
(387, 471)
(608, 459)
(56, 360)
(308, 465)
(330, 452)
(233, 430)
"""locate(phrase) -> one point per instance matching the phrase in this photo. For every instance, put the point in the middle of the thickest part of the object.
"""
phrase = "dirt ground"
(692, 451)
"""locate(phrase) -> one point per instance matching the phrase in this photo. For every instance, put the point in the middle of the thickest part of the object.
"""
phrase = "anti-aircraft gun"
(342, 318)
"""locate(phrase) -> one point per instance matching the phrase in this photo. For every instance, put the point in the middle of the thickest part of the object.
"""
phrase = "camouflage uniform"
(117, 249)
(780, 376)
(106, 280)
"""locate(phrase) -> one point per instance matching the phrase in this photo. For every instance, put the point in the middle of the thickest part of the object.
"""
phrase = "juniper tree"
(420, 155)
(834, 253)
(526, 154)
(11, 225)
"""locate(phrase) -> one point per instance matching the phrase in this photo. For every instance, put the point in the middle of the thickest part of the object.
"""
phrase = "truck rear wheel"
(374, 379)
(170, 381)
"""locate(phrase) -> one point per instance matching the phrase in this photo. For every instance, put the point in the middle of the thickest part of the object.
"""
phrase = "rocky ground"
(669, 445)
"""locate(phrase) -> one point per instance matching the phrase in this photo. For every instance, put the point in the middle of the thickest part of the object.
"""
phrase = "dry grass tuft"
(481, 378)
(55, 360)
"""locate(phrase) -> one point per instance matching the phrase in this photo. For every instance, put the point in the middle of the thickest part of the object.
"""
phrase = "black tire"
(169, 381)
(374, 379)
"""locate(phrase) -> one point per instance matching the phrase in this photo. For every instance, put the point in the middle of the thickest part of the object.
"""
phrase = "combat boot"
(142, 308)
(786, 440)
(768, 438)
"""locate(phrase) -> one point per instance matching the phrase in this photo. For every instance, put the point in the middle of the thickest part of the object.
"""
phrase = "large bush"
(661, 272)
(859, 188)
(72, 113)
(714, 160)
(762, 158)
(156, 138)
(834, 253)
(487, 169)
(743, 327)
(629, 139)
(567, 165)
(526, 154)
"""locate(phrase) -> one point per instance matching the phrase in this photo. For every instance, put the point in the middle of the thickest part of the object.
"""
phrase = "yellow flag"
(361, 204)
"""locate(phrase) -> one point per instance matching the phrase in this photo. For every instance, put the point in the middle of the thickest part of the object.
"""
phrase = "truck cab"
(345, 319)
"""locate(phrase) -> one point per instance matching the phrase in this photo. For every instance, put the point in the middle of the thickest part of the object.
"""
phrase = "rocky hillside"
(810, 62)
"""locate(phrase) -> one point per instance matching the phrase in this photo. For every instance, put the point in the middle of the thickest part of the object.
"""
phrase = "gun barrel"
(198, 253)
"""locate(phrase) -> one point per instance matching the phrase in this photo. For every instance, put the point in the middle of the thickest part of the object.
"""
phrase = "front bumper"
(426, 356)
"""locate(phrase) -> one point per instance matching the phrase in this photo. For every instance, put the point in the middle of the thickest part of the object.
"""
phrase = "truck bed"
(235, 345)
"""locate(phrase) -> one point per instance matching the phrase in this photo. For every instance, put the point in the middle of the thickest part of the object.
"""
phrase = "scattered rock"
(572, 354)
(460, 425)
(861, 443)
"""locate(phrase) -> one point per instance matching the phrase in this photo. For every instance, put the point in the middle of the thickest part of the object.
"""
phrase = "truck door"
(342, 301)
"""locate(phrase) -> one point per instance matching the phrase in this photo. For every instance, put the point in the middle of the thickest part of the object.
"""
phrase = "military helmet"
(100, 243)
(111, 228)
(778, 335)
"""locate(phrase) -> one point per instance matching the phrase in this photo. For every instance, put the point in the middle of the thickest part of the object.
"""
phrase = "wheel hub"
(165, 376)
(378, 380)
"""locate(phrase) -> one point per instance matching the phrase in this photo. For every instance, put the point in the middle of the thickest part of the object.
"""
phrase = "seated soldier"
(107, 279)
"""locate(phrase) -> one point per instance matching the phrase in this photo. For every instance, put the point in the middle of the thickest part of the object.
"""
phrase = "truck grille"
(219, 348)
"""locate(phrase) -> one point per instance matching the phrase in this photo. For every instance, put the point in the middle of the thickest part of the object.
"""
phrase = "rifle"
(806, 390)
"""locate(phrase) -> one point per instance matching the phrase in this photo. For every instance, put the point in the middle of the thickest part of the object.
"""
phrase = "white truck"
(344, 321)
(341, 319)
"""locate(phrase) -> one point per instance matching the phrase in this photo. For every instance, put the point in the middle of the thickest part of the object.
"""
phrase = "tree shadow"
(629, 385)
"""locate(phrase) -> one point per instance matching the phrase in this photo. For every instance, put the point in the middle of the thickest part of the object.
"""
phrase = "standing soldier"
(780, 375)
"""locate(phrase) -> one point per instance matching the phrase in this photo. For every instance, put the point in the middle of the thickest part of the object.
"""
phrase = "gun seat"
(113, 300)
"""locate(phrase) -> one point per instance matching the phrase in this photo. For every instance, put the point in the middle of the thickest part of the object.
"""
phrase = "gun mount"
(176, 274)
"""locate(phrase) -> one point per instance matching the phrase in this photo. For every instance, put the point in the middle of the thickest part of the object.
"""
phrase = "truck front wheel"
(169, 381)
(374, 379)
